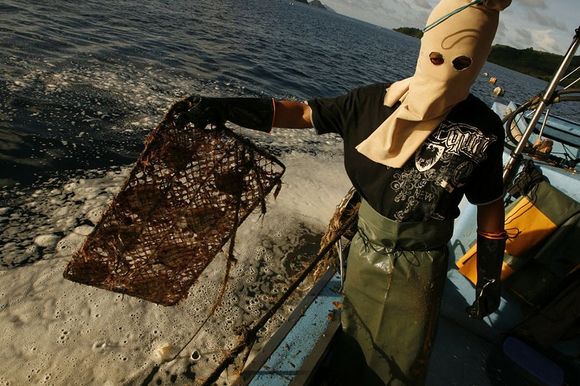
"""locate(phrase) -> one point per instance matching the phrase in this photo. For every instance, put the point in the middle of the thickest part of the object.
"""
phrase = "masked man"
(412, 149)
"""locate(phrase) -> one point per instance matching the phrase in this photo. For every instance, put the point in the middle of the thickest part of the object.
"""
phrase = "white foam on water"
(69, 244)
(83, 230)
(68, 333)
(55, 221)
(133, 98)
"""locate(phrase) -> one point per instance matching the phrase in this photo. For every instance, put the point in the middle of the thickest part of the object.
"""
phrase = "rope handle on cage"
(172, 118)
(218, 300)
(249, 336)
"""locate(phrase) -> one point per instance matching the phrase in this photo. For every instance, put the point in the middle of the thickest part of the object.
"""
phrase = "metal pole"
(546, 97)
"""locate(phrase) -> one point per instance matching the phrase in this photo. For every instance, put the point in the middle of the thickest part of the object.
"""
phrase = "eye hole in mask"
(436, 58)
(460, 63)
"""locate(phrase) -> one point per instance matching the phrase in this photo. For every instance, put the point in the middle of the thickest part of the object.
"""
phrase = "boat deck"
(459, 354)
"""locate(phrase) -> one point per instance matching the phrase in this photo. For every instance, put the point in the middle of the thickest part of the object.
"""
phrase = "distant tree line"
(415, 32)
(538, 64)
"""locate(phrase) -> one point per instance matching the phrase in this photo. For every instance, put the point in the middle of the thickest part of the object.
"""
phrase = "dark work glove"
(252, 113)
(488, 289)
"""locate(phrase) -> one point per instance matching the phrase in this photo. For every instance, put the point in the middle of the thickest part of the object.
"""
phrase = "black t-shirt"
(462, 156)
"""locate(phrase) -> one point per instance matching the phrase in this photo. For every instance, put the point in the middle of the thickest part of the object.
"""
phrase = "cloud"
(501, 31)
(545, 20)
(533, 3)
(544, 40)
(517, 21)
(423, 4)
(522, 37)
(390, 14)
(516, 37)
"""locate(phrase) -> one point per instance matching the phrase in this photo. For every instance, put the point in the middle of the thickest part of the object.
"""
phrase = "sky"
(545, 25)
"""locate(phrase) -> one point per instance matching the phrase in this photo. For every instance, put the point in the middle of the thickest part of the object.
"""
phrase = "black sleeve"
(328, 113)
(333, 115)
(486, 182)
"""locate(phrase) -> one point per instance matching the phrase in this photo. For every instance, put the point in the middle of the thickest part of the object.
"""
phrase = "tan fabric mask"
(451, 57)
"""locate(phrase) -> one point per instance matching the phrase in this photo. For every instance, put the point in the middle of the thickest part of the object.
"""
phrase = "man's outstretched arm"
(292, 115)
(253, 113)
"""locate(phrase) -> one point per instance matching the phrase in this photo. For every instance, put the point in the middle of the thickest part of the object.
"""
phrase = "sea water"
(81, 84)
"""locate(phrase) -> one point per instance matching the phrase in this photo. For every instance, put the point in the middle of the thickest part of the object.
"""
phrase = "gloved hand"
(252, 113)
(490, 251)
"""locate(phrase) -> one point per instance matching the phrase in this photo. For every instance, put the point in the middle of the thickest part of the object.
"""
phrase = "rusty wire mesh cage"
(182, 202)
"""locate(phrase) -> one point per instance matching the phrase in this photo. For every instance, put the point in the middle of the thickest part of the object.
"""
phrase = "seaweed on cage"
(184, 199)
(347, 208)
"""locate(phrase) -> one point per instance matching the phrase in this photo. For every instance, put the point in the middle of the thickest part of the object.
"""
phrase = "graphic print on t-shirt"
(452, 139)
(444, 162)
